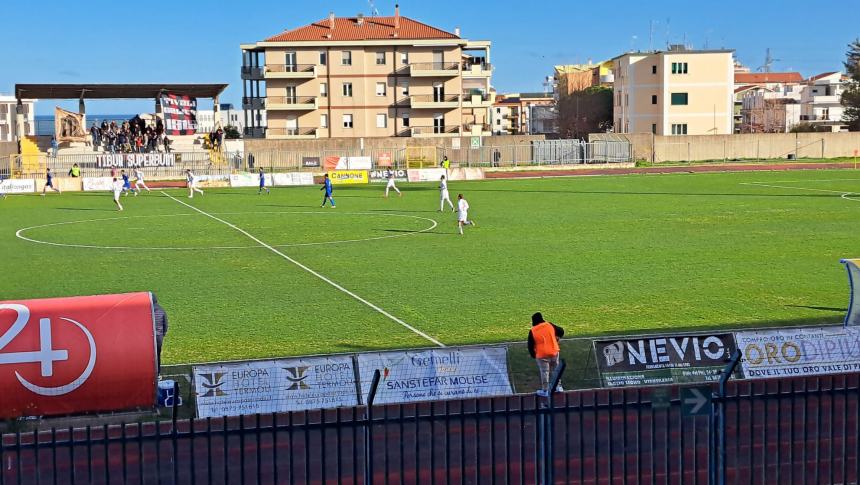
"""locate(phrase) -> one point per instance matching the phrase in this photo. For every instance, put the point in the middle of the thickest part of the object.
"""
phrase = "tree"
(809, 128)
(584, 112)
(231, 133)
(851, 95)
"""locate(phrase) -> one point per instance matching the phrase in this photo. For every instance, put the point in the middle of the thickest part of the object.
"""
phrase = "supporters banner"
(131, 160)
(180, 114)
(852, 318)
(799, 352)
(429, 375)
(348, 177)
(69, 126)
(347, 163)
(97, 183)
(293, 179)
(274, 386)
(17, 186)
(79, 354)
(381, 176)
(676, 359)
(425, 174)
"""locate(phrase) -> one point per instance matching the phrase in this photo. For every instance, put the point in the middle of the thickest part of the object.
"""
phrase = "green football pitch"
(243, 275)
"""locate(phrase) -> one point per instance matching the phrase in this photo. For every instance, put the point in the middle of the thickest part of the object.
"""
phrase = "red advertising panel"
(78, 354)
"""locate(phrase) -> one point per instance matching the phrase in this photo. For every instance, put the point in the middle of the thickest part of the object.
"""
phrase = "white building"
(822, 101)
(775, 109)
(228, 116)
(7, 118)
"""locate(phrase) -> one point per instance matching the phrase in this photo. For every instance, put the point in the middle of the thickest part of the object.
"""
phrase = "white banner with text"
(799, 352)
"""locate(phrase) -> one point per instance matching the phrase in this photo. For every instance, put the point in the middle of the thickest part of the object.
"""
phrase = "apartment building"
(674, 92)
(821, 101)
(8, 115)
(362, 76)
(524, 114)
(570, 78)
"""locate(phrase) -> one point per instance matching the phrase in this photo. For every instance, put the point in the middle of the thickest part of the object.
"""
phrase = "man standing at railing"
(75, 171)
(543, 347)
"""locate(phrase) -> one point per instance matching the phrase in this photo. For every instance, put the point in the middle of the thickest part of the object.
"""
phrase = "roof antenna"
(373, 10)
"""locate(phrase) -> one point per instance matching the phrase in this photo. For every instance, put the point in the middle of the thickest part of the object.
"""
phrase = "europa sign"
(130, 160)
(663, 360)
(78, 354)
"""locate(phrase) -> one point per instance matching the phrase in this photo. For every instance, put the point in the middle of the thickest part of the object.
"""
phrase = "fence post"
(368, 434)
(720, 406)
(545, 428)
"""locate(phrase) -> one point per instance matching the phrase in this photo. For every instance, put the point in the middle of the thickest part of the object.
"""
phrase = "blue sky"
(54, 41)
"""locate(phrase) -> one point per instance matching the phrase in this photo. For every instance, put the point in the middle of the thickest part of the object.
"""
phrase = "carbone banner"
(430, 375)
(799, 352)
(180, 114)
(130, 160)
(17, 186)
(77, 354)
(663, 359)
(274, 386)
(348, 177)
(381, 176)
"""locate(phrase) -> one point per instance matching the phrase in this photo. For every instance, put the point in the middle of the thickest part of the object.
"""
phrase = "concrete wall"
(8, 148)
(737, 147)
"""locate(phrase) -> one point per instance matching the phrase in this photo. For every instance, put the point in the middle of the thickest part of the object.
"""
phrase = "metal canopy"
(115, 91)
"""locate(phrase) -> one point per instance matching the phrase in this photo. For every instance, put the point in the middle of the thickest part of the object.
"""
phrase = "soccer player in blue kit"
(49, 182)
(126, 185)
(328, 190)
(262, 182)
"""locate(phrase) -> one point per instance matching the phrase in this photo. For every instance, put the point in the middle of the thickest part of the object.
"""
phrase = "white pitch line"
(309, 270)
(756, 184)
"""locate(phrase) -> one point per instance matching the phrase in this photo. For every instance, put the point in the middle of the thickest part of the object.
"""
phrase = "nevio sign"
(129, 160)
(663, 360)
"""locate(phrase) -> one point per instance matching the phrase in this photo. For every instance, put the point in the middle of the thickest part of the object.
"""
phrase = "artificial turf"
(597, 255)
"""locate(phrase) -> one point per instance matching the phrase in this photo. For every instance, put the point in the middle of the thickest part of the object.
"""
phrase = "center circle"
(269, 226)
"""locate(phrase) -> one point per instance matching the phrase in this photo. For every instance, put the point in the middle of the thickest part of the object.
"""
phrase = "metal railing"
(295, 131)
(483, 66)
(290, 100)
(434, 98)
(435, 66)
(252, 72)
(791, 430)
(435, 130)
(201, 162)
(253, 102)
(299, 68)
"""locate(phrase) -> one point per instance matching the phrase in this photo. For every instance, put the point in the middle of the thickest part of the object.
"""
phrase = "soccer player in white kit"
(391, 185)
(443, 195)
(117, 188)
(463, 213)
(192, 184)
(138, 181)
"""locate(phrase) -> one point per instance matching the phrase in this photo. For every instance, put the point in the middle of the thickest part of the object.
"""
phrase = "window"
(654, 128)
(653, 69)
(498, 111)
(679, 129)
(626, 99)
(404, 89)
(653, 99)
(679, 99)
(381, 120)
(679, 68)
(498, 121)
(347, 89)
(323, 58)
(347, 121)
(323, 90)
(405, 120)
(346, 58)
(404, 58)
(380, 89)
(380, 58)
(323, 121)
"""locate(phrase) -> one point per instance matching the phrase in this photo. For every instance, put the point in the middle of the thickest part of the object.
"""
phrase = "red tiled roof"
(373, 28)
(822, 75)
(743, 88)
(767, 77)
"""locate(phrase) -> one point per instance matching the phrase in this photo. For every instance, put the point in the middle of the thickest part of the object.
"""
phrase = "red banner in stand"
(78, 354)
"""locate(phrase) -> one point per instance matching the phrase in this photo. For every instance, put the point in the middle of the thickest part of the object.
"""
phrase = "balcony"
(253, 73)
(478, 99)
(435, 131)
(481, 69)
(291, 71)
(253, 102)
(434, 69)
(477, 129)
(254, 132)
(291, 133)
(433, 101)
(833, 100)
(293, 103)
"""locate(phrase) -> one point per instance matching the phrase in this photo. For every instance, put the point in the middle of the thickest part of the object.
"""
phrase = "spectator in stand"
(159, 127)
(122, 141)
(219, 136)
(111, 140)
(138, 144)
(75, 171)
(54, 146)
(96, 134)
(160, 317)
(543, 347)
(166, 142)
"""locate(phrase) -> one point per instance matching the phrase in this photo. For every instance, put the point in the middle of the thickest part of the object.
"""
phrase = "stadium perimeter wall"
(693, 148)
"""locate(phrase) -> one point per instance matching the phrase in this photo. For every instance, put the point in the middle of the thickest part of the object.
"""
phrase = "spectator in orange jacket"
(543, 347)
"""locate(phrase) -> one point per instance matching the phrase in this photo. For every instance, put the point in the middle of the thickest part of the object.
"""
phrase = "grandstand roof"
(115, 91)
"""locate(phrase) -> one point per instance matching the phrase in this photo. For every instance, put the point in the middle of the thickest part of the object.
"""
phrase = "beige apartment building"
(674, 92)
(367, 77)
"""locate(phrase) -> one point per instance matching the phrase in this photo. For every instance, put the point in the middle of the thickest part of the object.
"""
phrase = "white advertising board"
(293, 178)
(425, 174)
(97, 183)
(799, 352)
(274, 386)
(17, 186)
(429, 375)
